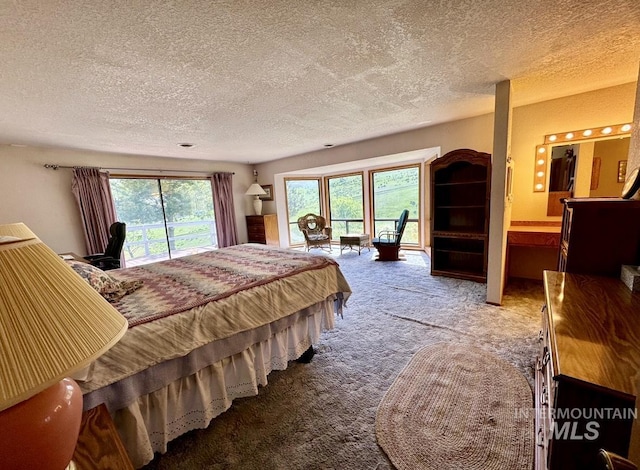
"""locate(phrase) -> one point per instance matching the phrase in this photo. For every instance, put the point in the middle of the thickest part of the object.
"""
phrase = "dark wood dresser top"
(595, 330)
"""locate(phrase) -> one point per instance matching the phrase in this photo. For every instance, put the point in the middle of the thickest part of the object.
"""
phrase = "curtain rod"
(53, 166)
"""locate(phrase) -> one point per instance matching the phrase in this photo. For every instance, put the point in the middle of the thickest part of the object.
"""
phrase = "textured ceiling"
(252, 81)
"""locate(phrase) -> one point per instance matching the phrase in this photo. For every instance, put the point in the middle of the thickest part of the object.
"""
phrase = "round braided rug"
(457, 407)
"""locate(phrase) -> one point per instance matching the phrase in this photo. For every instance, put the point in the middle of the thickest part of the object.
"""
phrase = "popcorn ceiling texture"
(255, 81)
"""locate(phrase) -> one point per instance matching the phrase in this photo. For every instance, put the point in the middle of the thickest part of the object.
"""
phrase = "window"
(346, 204)
(390, 191)
(166, 218)
(303, 197)
(394, 190)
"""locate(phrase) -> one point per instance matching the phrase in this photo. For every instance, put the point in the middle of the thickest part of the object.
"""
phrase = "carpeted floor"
(322, 415)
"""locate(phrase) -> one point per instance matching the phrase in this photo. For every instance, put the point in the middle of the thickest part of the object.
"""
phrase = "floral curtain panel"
(92, 191)
(221, 185)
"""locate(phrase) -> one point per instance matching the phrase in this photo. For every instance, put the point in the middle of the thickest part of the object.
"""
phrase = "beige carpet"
(457, 407)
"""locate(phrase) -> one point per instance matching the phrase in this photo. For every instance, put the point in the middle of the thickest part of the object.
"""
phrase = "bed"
(206, 329)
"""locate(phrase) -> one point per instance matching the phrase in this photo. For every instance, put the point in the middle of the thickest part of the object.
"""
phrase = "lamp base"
(257, 205)
(41, 432)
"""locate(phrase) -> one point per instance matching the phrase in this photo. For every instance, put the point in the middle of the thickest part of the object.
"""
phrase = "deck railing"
(143, 245)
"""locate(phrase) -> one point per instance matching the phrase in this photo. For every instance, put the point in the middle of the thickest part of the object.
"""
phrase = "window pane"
(189, 212)
(138, 204)
(346, 206)
(393, 191)
(303, 197)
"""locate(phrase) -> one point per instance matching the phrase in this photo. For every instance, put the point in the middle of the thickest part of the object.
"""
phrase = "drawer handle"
(544, 308)
(540, 336)
(546, 358)
(544, 396)
(540, 438)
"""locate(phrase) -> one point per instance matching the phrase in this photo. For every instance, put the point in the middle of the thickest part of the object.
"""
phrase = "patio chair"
(317, 234)
(388, 241)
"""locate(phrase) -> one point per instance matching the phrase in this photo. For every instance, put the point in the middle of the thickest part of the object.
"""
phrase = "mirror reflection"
(563, 167)
(588, 169)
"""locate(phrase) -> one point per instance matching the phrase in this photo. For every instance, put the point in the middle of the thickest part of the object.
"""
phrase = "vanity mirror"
(583, 163)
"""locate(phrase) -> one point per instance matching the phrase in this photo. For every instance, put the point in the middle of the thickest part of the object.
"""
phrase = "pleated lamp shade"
(255, 190)
(52, 322)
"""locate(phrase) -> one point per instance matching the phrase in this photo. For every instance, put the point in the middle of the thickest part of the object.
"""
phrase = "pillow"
(109, 287)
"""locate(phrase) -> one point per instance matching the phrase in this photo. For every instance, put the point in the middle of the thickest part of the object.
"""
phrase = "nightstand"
(99, 445)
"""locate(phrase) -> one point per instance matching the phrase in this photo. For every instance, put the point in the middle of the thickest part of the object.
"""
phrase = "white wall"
(42, 198)
(475, 133)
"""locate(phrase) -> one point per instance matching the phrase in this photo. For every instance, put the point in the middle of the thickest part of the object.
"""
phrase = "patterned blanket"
(181, 284)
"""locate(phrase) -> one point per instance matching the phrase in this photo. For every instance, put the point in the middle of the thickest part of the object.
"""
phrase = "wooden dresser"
(599, 235)
(587, 370)
(263, 229)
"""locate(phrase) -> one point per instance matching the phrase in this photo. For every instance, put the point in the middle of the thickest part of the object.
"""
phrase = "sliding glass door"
(166, 218)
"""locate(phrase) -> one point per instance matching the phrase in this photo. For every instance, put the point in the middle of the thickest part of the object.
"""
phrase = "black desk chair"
(388, 241)
(110, 259)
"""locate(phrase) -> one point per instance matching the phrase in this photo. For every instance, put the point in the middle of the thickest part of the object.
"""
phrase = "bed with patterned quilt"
(205, 329)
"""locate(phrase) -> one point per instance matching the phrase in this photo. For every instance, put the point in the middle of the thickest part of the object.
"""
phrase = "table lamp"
(52, 324)
(256, 191)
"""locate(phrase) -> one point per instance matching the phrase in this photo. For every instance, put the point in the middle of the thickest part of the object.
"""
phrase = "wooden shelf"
(460, 190)
(471, 253)
(459, 234)
(461, 207)
(455, 183)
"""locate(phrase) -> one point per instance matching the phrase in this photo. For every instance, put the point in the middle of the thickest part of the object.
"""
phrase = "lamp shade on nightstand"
(52, 324)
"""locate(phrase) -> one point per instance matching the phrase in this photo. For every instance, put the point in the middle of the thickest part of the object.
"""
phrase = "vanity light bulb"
(607, 130)
(587, 133)
(553, 138)
(540, 174)
(539, 186)
(626, 128)
(540, 162)
(569, 135)
(542, 150)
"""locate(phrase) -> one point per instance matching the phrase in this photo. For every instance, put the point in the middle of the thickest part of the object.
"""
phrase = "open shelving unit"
(460, 191)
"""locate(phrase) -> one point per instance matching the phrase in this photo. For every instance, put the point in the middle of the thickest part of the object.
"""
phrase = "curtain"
(221, 185)
(91, 189)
